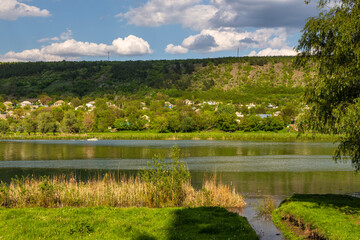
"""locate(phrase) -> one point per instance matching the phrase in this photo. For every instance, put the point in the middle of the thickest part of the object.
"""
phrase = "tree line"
(135, 115)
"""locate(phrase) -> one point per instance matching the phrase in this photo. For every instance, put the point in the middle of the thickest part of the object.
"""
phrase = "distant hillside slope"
(239, 79)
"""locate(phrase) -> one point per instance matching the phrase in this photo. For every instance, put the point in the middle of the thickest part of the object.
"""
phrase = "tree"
(89, 121)
(331, 43)
(70, 123)
(4, 126)
(45, 100)
(46, 123)
(29, 124)
(188, 124)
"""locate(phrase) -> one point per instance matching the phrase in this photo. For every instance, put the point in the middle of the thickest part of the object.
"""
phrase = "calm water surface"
(275, 168)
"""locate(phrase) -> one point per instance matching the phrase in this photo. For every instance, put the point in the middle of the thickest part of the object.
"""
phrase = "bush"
(165, 181)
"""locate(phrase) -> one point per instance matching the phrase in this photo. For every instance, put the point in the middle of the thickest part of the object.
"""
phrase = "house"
(25, 103)
(277, 113)
(169, 105)
(188, 102)
(264, 115)
(59, 103)
(8, 105)
(211, 103)
(272, 106)
(251, 105)
(239, 115)
(90, 104)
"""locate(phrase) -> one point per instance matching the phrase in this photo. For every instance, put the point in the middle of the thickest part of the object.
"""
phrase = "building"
(25, 103)
(59, 103)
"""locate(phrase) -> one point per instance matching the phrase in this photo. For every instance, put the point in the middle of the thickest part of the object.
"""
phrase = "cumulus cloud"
(74, 50)
(225, 39)
(13, 9)
(170, 48)
(200, 43)
(287, 51)
(63, 36)
(159, 12)
(221, 13)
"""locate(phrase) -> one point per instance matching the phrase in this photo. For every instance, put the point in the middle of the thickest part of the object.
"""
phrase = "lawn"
(123, 223)
(327, 216)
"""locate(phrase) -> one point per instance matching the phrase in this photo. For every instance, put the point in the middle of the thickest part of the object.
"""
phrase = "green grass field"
(119, 223)
(327, 216)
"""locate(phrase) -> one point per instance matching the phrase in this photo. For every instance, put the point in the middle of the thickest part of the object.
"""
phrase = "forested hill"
(239, 79)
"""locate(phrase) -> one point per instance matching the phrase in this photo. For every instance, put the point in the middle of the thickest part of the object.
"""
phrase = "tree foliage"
(331, 42)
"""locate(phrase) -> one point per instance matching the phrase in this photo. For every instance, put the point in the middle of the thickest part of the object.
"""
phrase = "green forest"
(245, 79)
(227, 94)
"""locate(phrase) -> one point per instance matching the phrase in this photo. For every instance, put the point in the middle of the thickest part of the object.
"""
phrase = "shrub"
(165, 182)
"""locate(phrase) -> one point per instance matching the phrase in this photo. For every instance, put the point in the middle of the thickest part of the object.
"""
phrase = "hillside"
(238, 79)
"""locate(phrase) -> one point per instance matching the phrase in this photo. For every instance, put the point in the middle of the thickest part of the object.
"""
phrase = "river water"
(252, 168)
(275, 168)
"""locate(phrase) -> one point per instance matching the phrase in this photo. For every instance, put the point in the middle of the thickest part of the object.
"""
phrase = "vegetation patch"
(161, 184)
(203, 135)
(120, 223)
(319, 217)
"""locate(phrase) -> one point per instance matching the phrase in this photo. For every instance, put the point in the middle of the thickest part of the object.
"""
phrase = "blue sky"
(56, 30)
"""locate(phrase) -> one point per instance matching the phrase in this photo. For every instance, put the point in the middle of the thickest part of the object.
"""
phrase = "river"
(275, 168)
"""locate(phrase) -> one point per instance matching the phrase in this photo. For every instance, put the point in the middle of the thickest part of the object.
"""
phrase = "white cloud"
(170, 48)
(13, 9)
(73, 50)
(160, 12)
(210, 40)
(213, 14)
(287, 51)
(63, 36)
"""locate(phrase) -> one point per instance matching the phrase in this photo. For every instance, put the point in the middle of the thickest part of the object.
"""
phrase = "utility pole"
(108, 56)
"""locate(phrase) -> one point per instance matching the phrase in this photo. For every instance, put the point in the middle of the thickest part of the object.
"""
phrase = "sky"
(77, 30)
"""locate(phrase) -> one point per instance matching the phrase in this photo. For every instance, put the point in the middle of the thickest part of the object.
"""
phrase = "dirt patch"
(301, 229)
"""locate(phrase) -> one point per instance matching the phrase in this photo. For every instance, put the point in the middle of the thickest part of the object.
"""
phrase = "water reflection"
(249, 183)
(251, 167)
(118, 149)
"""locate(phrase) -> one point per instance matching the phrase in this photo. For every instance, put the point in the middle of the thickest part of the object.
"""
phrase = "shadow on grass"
(334, 200)
(209, 223)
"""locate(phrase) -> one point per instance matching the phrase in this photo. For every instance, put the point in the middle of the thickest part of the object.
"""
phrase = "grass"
(327, 216)
(208, 135)
(118, 223)
(265, 207)
(65, 191)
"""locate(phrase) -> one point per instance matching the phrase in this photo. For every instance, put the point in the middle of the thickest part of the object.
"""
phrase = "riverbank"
(210, 135)
(315, 216)
(119, 223)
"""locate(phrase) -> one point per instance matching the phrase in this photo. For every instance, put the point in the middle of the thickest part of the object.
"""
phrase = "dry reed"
(66, 191)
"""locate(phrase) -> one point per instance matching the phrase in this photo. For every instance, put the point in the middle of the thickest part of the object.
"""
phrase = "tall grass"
(64, 191)
(161, 184)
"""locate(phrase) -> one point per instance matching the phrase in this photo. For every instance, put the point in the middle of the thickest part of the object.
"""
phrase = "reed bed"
(65, 191)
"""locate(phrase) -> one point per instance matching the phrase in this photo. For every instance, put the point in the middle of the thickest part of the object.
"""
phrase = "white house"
(59, 103)
(90, 104)
(251, 105)
(25, 103)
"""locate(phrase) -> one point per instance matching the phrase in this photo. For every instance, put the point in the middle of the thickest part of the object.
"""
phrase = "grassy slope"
(117, 223)
(330, 216)
(213, 135)
(236, 79)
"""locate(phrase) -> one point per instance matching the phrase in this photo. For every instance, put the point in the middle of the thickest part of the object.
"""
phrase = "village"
(163, 115)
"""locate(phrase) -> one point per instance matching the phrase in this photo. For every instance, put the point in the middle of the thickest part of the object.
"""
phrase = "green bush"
(165, 181)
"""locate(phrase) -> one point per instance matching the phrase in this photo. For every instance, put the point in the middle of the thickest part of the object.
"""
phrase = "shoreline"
(213, 135)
